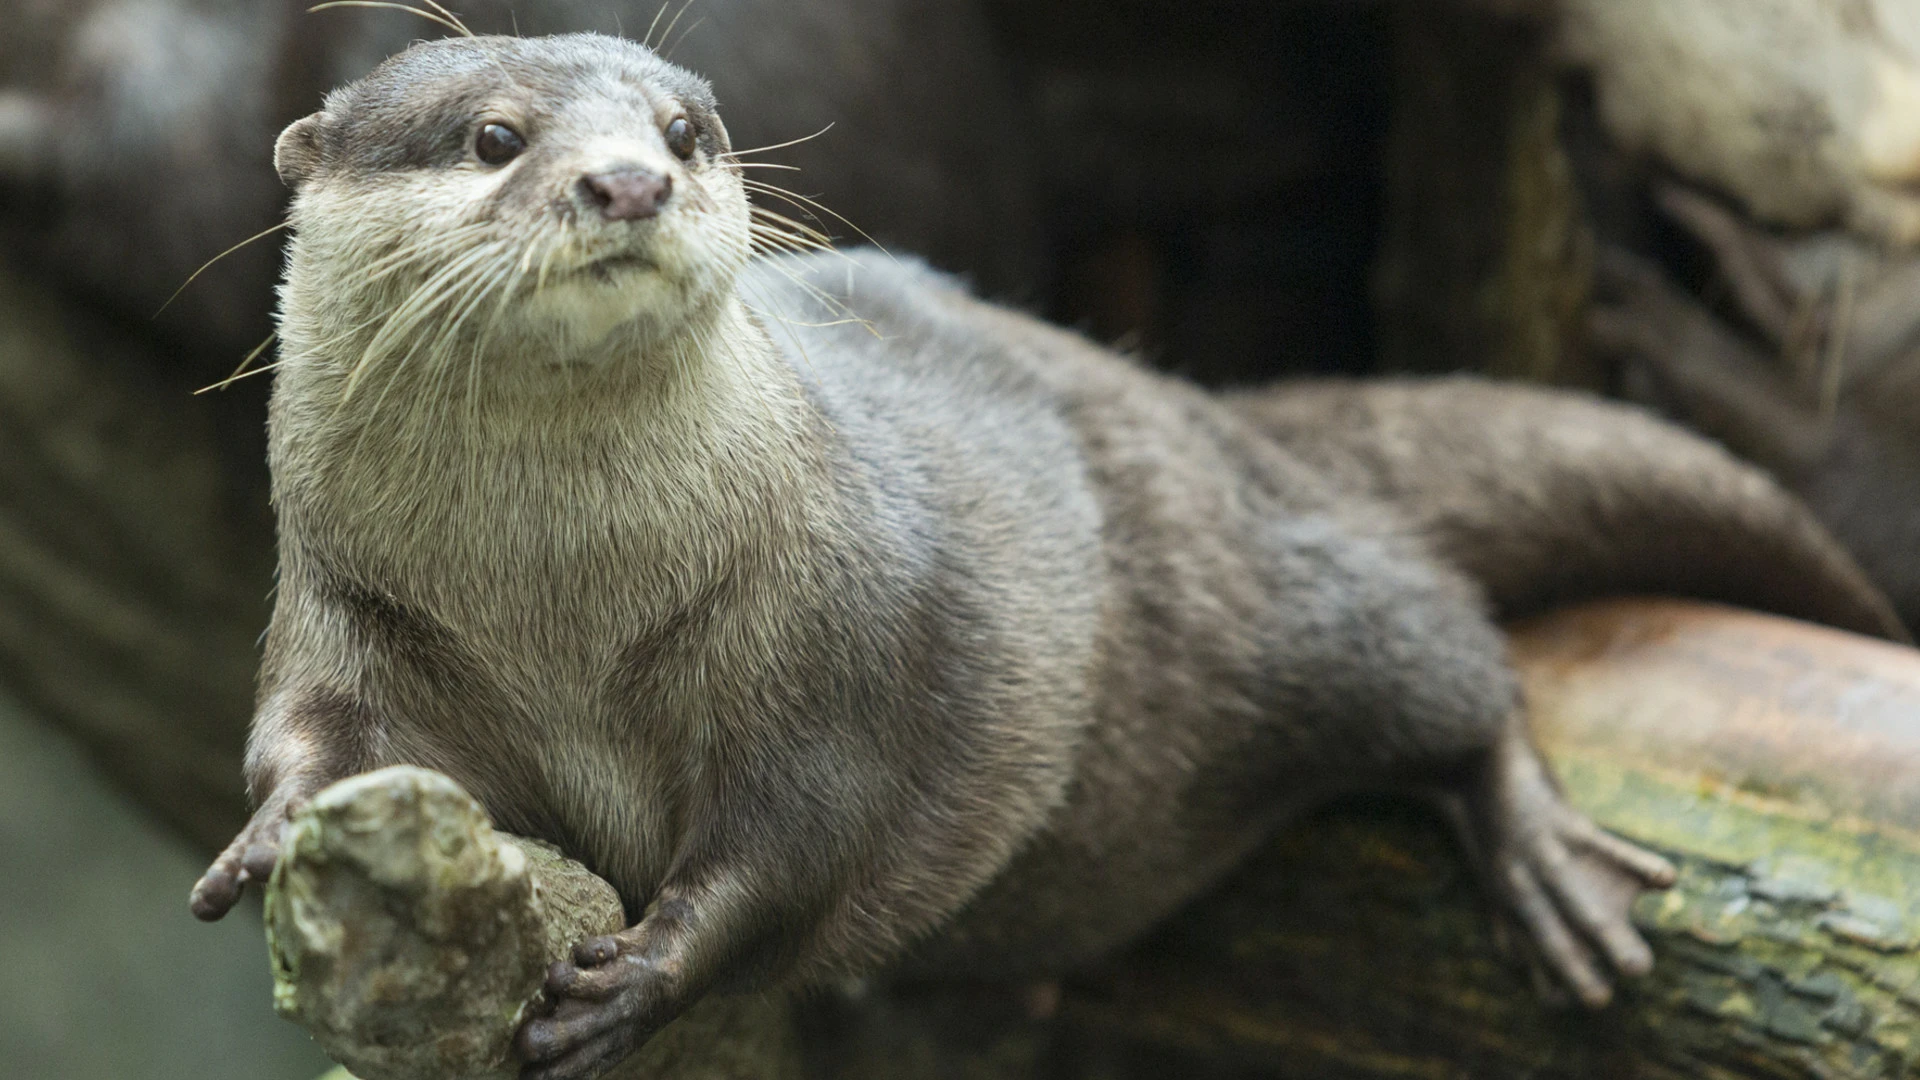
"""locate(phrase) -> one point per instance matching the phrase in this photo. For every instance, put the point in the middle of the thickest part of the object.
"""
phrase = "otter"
(847, 623)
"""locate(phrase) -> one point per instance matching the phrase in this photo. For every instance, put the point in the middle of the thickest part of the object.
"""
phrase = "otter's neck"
(695, 459)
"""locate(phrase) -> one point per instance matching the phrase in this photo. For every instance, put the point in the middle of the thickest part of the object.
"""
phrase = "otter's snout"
(628, 193)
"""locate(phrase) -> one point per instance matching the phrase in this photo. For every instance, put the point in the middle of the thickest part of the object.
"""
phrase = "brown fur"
(941, 638)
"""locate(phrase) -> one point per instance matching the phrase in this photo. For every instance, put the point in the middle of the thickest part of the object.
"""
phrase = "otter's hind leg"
(1564, 880)
(1399, 678)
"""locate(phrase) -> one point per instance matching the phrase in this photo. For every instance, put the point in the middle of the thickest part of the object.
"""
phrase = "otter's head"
(561, 198)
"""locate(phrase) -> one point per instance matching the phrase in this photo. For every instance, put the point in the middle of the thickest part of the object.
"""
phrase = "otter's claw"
(608, 1001)
(1566, 882)
(250, 858)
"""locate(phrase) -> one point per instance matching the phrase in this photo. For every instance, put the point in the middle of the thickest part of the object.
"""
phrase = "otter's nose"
(627, 193)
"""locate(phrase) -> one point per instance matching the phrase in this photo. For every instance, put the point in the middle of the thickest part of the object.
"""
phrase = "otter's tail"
(1546, 497)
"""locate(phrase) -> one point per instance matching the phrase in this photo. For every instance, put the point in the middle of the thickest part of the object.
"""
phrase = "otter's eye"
(680, 138)
(498, 144)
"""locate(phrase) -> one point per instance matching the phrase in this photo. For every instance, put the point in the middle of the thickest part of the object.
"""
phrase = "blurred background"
(1705, 206)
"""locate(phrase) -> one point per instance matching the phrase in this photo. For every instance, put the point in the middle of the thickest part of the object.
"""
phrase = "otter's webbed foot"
(249, 859)
(606, 1003)
(1567, 882)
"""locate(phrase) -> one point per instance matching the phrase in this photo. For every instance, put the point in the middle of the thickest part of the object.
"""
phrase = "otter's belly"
(1064, 903)
(1138, 838)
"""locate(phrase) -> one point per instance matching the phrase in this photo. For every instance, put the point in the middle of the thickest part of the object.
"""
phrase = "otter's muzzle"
(627, 193)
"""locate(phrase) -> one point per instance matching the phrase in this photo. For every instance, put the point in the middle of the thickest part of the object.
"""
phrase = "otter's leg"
(748, 900)
(300, 743)
(1564, 880)
(1402, 680)
(621, 989)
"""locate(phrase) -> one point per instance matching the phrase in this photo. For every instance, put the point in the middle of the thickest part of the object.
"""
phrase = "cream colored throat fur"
(509, 500)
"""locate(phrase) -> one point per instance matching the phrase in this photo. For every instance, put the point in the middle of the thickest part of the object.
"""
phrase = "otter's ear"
(296, 154)
(720, 133)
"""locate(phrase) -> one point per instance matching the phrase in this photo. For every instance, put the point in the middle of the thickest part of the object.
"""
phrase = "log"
(1773, 761)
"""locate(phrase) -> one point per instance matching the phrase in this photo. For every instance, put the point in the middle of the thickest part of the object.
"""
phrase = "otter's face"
(574, 194)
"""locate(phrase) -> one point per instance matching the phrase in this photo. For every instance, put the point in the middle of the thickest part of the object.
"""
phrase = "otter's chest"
(551, 643)
(575, 712)
(546, 596)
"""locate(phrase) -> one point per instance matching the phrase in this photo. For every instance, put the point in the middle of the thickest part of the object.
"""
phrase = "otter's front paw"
(250, 858)
(1567, 882)
(608, 1002)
